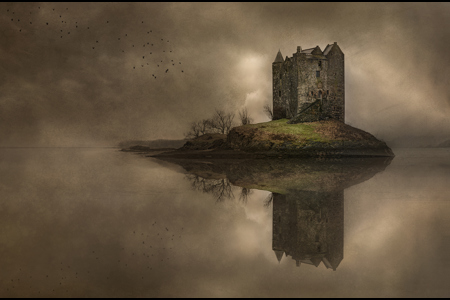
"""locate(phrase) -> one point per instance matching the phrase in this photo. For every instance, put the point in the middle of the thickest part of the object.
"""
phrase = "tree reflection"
(221, 189)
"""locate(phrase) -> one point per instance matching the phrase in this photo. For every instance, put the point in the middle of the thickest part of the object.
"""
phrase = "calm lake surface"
(93, 222)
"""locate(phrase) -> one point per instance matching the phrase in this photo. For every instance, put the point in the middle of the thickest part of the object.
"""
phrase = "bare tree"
(198, 128)
(268, 110)
(222, 122)
(194, 131)
(204, 126)
(244, 117)
(269, 200)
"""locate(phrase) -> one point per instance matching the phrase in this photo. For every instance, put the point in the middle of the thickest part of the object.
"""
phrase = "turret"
(279, 110)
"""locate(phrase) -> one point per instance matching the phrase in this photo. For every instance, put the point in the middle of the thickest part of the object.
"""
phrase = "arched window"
(279, 93)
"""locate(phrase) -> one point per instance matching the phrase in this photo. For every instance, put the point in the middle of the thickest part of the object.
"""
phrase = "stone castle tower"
(309, 86)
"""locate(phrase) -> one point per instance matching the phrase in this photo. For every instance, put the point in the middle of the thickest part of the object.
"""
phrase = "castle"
(309, 86)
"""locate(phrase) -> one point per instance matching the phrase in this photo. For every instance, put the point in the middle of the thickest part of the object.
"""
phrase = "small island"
(307, 113)
(278, 139)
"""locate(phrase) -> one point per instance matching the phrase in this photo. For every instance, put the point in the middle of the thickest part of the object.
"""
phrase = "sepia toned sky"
(67, 89)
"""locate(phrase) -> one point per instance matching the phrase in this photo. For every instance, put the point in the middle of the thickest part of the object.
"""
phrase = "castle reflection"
(309, 227)
(307, 198)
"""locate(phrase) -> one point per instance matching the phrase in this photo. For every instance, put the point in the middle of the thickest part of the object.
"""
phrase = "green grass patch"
(299, 132)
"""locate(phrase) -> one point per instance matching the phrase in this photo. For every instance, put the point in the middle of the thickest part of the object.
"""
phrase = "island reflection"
(307, 198)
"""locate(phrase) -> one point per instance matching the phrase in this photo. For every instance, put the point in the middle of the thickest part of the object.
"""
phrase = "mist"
(65, 89)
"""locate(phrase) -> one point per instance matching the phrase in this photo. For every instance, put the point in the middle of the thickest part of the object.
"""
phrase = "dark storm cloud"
(60, 91)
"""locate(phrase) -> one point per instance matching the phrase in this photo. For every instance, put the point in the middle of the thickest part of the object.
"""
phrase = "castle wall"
(308, 84)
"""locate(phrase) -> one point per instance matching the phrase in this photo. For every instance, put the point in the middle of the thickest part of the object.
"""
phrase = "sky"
(62, 88)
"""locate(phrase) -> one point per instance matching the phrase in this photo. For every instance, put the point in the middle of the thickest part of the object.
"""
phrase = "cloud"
(60, 90)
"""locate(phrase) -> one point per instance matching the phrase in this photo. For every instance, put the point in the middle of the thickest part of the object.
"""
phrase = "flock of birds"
(59, 22)
(146, 254)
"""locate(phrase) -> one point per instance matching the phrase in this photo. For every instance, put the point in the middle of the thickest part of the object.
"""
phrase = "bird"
(46, 23)
(166, 72)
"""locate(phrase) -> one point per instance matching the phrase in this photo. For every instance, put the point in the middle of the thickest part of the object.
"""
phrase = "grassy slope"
(301, 134)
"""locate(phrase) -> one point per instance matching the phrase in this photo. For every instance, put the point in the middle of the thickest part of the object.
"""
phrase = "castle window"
(280, 75)
(317, 73)
(279, 93)
(320, 63)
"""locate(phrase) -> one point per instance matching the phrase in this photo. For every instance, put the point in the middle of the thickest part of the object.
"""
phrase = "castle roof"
(308, 51)
(279, 57)
(314, 53)
(327, 49)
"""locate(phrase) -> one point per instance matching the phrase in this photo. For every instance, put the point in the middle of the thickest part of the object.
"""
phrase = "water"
(103, 223)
